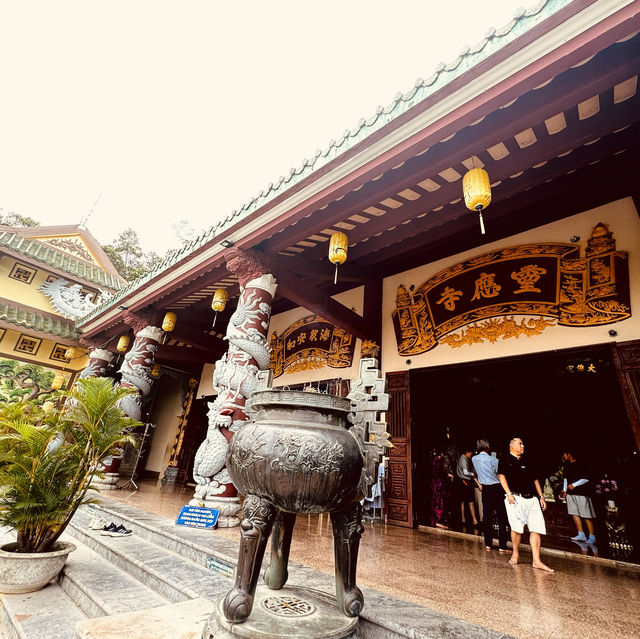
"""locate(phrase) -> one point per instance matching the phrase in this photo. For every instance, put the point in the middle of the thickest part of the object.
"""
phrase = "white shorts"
(525, 512)
(580, 505)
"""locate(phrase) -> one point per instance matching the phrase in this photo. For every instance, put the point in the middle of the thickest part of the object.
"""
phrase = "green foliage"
(49, 458)
(15, 219)
(128, 257)
(24, 381)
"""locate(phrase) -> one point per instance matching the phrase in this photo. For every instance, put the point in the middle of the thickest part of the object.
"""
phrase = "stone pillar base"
(229, 508)
(108, 482)
(290, 612)
(170, 475)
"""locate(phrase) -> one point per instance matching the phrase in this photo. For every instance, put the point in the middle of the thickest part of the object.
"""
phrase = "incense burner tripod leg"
(347, 530)
(258, 516)
(276, 575)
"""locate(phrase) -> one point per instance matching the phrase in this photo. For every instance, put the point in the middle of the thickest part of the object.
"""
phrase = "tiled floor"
(582, 599)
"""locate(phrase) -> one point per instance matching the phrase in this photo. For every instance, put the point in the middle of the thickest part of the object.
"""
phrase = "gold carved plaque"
(310, 343)
(545, 280)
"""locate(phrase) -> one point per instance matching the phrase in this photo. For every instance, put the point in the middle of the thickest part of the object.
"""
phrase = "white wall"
(166, 415)
(623, 221)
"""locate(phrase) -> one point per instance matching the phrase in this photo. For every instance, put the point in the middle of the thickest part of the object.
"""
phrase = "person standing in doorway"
(441, 478)
(524, 502)
(576, 490)
(486, 468)
(465, 482)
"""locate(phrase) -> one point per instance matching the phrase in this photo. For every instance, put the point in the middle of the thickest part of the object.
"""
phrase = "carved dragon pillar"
(234, 379)
(138, 362)
(135, 374)
(99, 362)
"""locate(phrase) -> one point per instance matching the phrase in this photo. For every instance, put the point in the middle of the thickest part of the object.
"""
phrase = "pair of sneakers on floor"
(112, 530)
(582, 537)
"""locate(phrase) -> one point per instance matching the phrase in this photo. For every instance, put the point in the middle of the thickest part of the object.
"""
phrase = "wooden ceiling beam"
(182, 354)
(431, 230)
(598, 126)
(320, 270)
(199, 339)
(564, 92)
(196, 280)
(548, 203)
(313, 299)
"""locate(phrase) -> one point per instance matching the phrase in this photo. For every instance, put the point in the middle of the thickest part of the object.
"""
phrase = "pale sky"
(186, 109)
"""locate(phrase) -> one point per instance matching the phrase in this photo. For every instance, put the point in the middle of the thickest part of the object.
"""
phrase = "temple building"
(481, 234)
(51, 276)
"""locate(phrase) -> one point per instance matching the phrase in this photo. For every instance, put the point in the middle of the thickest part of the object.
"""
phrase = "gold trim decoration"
(182, 423)
(550, 280)
(369, 349)
(494, 329)
(311, 343)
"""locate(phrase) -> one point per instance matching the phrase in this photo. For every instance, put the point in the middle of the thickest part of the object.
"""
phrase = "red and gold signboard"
(311, 343)
(534, 279)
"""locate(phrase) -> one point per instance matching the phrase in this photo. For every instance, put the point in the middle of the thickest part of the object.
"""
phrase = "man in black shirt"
(524, 502)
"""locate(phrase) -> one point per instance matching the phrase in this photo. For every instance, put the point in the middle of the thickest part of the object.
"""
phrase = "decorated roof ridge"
(30, 318)
(494, 40)
(46, 233)
(51, 256)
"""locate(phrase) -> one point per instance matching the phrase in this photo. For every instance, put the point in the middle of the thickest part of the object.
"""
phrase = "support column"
(99, 362)
(135, 374)
(138, 362)
(234, 378)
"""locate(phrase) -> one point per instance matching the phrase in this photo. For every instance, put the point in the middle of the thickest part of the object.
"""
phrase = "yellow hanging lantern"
(47, 407)
(169, 322)
(219, 302)
(156, 370)
(477, 192)
(123, 343)
(338, 245)
(71, 352)
(57, 382)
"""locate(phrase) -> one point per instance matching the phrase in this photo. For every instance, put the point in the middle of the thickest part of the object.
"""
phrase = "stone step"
(99, 588)
(170, 574)
(201, 546)
(46, 614)
(384, 616)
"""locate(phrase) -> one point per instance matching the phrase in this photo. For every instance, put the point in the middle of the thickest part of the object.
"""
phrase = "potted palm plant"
(48, 457)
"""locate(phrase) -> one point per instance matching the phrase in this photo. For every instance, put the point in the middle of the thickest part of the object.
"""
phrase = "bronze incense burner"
(304, 453)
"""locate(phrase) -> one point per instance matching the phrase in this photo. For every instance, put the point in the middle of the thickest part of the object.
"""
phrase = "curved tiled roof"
(22, 317)
(50, 256)
(493, 41)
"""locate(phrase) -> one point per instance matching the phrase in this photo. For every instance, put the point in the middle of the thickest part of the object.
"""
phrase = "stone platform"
(289, 613)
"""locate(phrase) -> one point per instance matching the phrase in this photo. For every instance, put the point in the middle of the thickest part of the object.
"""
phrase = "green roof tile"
(31, 319)
(50, 256)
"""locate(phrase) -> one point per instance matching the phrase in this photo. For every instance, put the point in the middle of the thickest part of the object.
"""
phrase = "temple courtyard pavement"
(585, 598)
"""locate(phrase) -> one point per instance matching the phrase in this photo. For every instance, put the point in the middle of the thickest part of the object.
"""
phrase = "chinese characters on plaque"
(549, 280)
(311, 343)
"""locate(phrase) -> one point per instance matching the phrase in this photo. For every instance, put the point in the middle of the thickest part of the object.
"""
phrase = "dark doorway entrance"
(548, 399)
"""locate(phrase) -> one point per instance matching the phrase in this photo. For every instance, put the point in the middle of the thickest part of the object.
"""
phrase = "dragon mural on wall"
(68, 299)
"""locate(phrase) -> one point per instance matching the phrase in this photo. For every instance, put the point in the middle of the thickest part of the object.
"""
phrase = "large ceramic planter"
(28, 572)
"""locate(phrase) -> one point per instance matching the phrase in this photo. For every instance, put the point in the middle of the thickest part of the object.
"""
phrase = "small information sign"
(197, 517)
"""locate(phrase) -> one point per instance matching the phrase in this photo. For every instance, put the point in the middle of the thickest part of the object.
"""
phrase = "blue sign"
(197, 517)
